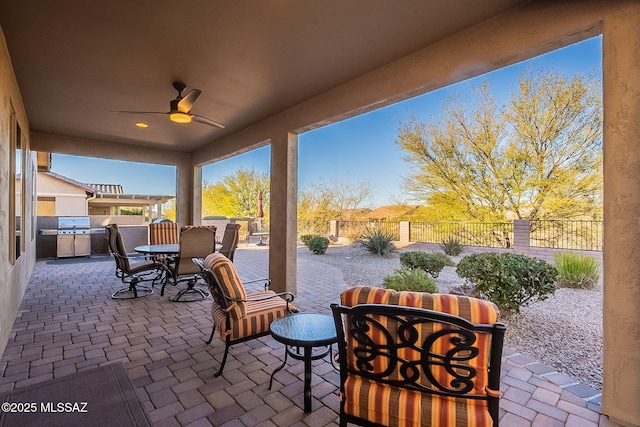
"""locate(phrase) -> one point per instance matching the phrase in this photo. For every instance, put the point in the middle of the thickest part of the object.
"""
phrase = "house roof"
(104, 193)
(91, 191)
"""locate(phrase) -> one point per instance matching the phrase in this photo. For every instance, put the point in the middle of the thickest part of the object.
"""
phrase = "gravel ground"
(564, 331)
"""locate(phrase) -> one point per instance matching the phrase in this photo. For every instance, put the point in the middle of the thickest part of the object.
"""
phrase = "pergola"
(270, 71)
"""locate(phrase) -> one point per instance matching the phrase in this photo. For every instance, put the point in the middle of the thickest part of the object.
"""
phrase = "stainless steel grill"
(74, 236)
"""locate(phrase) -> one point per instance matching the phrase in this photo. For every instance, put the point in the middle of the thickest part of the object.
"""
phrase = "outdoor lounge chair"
(195, 242)
(129, 269)
(230, 240)
(417, 359)
(239, 316)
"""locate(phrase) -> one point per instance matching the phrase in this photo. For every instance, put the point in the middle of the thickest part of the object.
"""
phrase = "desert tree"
(236, 195)
(325, 200)
(539, 156)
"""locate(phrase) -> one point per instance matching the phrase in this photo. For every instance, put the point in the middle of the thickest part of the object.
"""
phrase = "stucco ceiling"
(77, 60)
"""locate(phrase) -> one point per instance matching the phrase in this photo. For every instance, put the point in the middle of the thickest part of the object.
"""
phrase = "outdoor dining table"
(165, 249)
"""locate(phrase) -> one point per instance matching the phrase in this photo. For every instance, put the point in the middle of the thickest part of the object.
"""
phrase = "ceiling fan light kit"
(180, 117)
(180, 108)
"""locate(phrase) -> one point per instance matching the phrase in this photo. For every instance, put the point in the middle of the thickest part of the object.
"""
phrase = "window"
(18, 185)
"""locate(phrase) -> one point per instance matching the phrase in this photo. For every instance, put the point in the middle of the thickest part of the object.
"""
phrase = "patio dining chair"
(230, 240)
(195, 241)
(239, 316)
(163, 233)
(417, 359)
(130, 269)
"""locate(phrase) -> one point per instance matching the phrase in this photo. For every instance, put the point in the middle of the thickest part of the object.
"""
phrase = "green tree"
(539, 156)
(236, 195)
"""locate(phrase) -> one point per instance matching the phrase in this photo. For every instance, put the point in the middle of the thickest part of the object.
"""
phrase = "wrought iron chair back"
(432, 359)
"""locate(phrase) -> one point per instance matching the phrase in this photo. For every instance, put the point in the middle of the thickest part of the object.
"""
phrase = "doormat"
(103, 396)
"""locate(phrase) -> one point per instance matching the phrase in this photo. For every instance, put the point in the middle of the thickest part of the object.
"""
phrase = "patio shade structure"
(271, 71)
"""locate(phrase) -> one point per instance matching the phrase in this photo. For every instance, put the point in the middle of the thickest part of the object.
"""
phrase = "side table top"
(304, 329)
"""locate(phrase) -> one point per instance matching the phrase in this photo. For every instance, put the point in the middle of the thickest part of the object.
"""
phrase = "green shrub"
(509, 280)
(429, 263)
(378, 242)
(304, 238)
(318, 244)
(577, 271)
(407, 279)
(452, 247)
(445, 258)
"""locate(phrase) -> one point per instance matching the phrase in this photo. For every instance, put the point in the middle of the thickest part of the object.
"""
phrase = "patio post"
(621, 98)
(283, 213)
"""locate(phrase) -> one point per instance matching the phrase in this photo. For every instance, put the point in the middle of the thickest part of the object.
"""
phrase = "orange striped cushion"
(473, 309)
(399, 407)
(225, 274)
(374, 399)
(163, 233)
(258, 317)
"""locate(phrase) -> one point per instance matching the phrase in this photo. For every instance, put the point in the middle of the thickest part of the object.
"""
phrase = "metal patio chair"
(130, 269)
(417, 359)
(239, 316)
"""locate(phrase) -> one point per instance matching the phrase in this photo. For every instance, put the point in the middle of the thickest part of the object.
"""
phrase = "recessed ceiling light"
(142, 125)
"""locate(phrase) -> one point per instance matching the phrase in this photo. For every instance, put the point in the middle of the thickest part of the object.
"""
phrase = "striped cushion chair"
(239, 316)
(418, 359)
(163, 233)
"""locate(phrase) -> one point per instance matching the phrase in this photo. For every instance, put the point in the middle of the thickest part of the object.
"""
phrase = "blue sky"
(358, 149)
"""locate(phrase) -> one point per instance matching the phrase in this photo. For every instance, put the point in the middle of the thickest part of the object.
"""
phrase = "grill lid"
(73, 222)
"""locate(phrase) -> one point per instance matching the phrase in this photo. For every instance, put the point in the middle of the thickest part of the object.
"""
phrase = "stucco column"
(196, 195)
(283, 213)
(621, 84)
(185, 178)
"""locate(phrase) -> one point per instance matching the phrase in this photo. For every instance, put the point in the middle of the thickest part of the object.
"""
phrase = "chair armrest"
(133, 257)
(266, 285)
(287, 296)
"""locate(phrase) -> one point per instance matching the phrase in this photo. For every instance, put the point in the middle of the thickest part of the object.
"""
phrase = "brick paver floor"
(68, 323)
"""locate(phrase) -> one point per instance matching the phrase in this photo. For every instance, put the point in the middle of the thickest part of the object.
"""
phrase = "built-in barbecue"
(73, 236)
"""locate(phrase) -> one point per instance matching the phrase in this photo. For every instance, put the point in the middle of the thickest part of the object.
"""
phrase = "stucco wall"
(14, 277)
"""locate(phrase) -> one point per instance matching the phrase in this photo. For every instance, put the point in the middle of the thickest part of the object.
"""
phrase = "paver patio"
(68, 323)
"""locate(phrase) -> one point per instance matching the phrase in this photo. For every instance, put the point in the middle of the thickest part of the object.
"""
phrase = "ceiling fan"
(180, 108)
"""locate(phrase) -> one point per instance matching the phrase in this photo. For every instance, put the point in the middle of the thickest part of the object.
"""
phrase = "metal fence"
(356, 229)
(561, 234)
(556, 234)
(493, 235)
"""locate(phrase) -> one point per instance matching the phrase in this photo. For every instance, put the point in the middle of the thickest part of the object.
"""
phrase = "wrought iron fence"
(489, 234)
(557, 234)
(561, 234)
(319, 227)
(356, 229)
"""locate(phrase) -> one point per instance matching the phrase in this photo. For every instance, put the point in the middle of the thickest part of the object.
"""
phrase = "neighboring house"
(62, 196)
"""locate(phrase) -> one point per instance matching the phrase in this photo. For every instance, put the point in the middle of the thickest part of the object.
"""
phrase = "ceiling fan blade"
(141, 112)
(206, 121)
(186, 103)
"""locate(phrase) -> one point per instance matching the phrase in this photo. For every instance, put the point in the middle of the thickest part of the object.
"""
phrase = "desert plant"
(378, 241)
(452, 247)
(429, 263)
(410, 279)
(318, 244)
(509, 280)
(304, 238)
(445, 258)
(577, 271)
